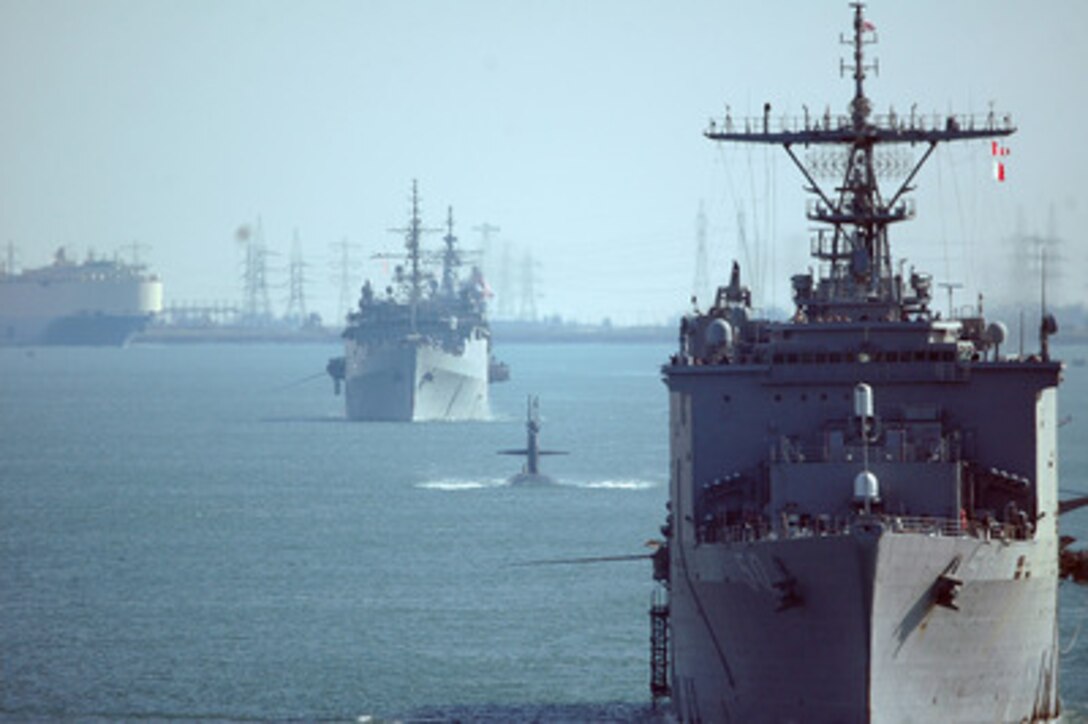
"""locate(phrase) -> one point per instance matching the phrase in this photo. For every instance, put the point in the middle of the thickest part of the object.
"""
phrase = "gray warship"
(863, 515)
(530, 475)
(421, 350)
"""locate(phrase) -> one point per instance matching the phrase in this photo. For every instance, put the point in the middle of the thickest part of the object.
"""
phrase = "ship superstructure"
(420, 351)
(863, 499)
(98, 302)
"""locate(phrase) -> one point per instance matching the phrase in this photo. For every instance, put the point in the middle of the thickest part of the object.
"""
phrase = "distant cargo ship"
(422, 350)
(97, 302)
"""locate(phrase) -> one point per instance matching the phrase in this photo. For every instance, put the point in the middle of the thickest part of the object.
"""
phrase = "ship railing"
(824, 526)
(985, 529)
(817, 210)
(711, 532)
(796, 453)
(925, 525)
(888, 122)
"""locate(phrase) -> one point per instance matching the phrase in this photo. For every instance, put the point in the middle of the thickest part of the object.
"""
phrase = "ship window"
(948, 356)
(778, 398)
(919, 355)
(823, 397)
(806, 358)
(777, 359)
(893, 356)
(934, 356)
(821, 358)
(791, 359)
(836, 358)
(878, 356)
(727, 398)
(804, 397)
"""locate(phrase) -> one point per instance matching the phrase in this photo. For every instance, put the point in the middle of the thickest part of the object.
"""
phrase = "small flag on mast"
(998, 152)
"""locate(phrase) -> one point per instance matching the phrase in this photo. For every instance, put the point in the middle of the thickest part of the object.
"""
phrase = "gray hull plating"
(846, 628)
(841, 619)
(412, 380)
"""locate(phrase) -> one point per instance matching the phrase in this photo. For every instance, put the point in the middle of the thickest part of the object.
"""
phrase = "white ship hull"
(107, 311)
(412, 380)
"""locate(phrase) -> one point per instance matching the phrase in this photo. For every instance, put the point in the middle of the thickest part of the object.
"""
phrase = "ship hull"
(849, 628)
(75, 311)
(411, 380)
(89, 330)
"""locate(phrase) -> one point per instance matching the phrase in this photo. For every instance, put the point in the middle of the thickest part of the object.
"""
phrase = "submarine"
(530, 475)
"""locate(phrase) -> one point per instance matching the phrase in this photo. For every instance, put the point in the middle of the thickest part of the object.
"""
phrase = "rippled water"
(186, 532)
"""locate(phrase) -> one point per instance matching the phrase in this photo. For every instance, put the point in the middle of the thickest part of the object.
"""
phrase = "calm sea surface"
(195, 532)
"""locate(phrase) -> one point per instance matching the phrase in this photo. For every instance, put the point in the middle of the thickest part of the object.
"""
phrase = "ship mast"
(413, 233)
(451, 259)
(411, 242)
(859, 282)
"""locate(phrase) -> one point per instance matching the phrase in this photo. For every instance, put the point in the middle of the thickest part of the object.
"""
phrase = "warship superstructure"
(97, 302)
(421, 350)
(863, 499)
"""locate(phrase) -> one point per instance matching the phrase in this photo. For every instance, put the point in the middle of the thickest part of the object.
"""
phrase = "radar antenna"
(451, 258)
(413, 233)
(859, 280)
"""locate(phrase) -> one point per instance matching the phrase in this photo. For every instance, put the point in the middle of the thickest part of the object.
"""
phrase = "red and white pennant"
(999, 152)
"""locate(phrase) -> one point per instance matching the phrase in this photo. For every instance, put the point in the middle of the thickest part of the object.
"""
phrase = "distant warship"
(863, 499)
(530, 474)
(421, 351)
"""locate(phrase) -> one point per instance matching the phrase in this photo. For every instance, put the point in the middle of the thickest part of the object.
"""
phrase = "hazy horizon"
(574, 127)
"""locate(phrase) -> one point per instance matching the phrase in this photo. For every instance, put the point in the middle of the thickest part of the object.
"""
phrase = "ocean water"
(195, 532)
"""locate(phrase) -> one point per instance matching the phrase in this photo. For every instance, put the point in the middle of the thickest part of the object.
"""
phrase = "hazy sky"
(573, 125)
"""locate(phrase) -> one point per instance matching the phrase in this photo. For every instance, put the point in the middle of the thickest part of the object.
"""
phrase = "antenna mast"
(858, 279)
(451, 258)
(413, 234)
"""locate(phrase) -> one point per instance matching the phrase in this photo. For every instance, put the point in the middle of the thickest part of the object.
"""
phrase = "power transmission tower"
(1027, 253)
(503, 287)
(344, 263)
(527, 312)
(256, 308)
(9, 265)
(296, 282)
(701, 286)
(486, 229)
